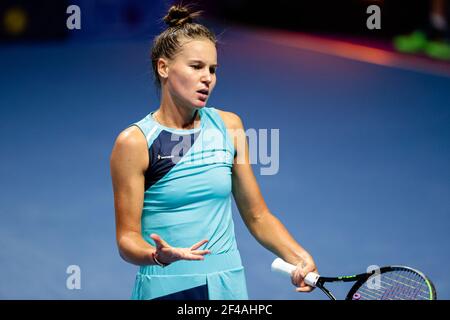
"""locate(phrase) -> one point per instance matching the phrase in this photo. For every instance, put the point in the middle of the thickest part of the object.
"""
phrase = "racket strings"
(406, 284)
(395, 285)
(413, 286)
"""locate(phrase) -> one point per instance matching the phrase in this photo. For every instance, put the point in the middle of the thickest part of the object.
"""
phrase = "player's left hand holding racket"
(391, 283)
(299, 272)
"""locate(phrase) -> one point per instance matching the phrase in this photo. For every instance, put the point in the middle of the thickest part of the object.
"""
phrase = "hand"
(167, 254)
(303, 268)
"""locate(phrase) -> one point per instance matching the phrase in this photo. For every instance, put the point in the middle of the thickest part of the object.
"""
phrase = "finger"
(160, 243)
(201, 252)
(304, 289)
(198, 244)
(298, 282)
(193, 257)
(298, 278)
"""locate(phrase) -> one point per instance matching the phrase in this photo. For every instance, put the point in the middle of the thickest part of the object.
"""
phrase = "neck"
(177, 117)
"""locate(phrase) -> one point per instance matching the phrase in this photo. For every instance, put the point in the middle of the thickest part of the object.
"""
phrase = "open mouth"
(203, 94)
(203, 91)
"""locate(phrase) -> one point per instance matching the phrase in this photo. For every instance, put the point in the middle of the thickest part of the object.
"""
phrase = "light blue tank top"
(187, 199)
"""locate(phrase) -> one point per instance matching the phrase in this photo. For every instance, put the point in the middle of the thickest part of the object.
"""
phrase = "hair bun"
(179, 15)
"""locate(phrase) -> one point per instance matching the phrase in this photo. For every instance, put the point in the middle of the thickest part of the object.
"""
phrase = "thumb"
(160, 243)
(304, 289)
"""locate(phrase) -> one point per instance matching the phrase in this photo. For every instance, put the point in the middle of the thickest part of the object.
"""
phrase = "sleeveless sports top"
(187, 199)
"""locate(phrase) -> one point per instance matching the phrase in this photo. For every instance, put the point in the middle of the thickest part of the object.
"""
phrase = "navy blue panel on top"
(165, 152)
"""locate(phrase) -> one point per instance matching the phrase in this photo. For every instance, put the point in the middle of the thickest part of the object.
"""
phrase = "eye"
(197, 67)
(212, 70)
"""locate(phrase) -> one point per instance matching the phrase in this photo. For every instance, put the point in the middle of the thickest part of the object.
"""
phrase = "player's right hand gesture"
(167, 254)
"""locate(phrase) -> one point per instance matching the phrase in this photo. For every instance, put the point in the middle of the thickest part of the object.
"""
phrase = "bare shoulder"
(130, 147)
(131, 138)
(231, 119)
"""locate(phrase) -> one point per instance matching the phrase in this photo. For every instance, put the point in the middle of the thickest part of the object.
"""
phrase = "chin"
(200, 104)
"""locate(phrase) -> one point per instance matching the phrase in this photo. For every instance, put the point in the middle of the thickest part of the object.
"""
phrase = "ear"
(163, 68)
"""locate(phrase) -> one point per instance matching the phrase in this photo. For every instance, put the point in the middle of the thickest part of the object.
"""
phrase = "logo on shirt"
(164, 157)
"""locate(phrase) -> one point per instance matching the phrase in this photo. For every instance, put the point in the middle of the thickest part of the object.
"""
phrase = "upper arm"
(128, 163)
(246, 192)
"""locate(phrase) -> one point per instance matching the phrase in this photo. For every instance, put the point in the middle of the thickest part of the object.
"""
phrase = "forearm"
(134, 249)
(274, 236)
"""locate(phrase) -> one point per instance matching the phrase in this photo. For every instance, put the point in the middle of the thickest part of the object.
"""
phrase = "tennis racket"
(385, 283)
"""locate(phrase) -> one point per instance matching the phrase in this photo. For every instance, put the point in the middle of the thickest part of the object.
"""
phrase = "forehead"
(198, 49)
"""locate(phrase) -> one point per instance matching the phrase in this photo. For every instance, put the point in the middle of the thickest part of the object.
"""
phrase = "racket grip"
(311, 279)
(281, 266)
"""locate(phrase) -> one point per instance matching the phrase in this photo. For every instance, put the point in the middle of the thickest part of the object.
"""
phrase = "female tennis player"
(173, 174)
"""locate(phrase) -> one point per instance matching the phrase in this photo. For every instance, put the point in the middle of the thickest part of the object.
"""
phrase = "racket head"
(394, 283)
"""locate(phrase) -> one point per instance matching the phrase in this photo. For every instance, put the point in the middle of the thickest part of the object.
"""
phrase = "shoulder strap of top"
(148, 128)
(216, 122)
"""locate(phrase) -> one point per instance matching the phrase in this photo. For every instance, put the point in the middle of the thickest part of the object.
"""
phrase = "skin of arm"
(262, 224)
(128, 162)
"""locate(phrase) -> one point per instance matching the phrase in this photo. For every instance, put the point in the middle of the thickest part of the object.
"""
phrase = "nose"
(206, 77)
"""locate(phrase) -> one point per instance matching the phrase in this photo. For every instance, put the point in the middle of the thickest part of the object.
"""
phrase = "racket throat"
(325, 290)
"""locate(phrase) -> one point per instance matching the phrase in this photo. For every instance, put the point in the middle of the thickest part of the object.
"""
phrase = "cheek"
(181, 82)
(213, 83)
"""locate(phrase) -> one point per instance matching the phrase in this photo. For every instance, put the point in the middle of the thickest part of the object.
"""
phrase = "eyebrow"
(200, 61)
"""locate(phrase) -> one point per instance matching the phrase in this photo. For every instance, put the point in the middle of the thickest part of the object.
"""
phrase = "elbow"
(256, 220)
(122, 248)
(122, 254)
